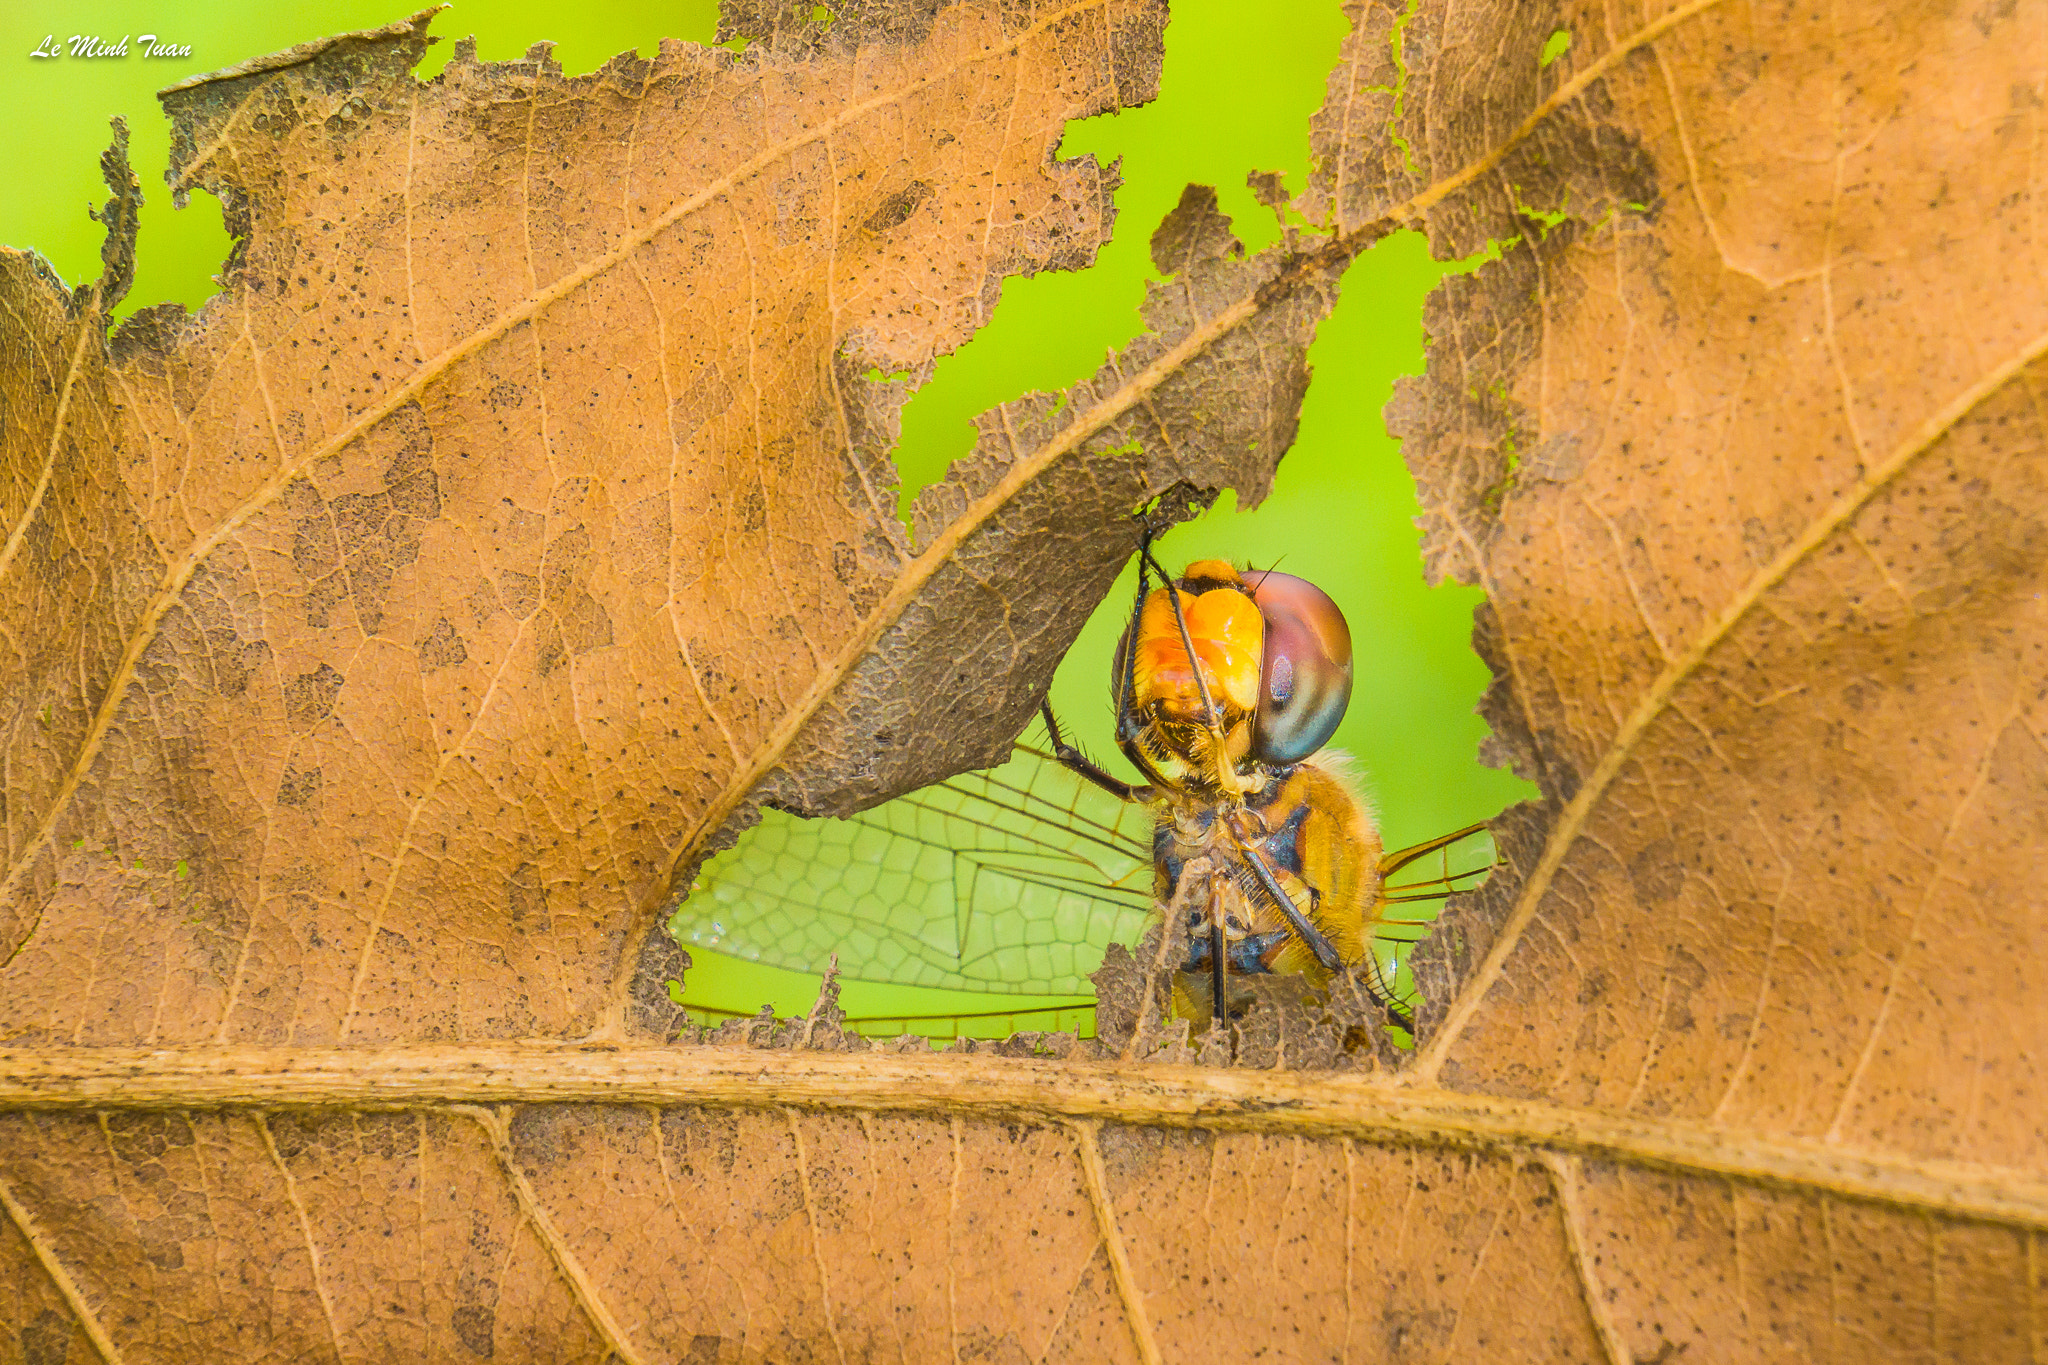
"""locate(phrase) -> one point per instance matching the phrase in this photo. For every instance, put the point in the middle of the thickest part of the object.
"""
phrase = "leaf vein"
(492, 1121)
(291, 1194)
(1564, 1180)
(1572, 822)
(1086, 1135)
(460, 1076)
(46, 1256)
(179, 575)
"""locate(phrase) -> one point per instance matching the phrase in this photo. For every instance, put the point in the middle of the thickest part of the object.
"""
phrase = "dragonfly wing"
(1422, 876)
(1010, 881)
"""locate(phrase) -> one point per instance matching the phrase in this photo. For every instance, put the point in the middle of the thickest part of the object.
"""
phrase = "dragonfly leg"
(1325, 952)
(1079, 763)
(1383, 992)
(1304, 929)
(1129, 728)
(1219, 1010)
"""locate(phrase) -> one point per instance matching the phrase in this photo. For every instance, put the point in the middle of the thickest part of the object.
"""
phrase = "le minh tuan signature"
(92, 45)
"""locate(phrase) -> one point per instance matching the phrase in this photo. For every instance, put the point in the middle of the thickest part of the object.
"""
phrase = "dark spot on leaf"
(753, 510)
(525, 897)
(473, 1324)
(548, 651)
(520, 593)
(442, 647)
(584, 624)
(46, 1339)
(297, 787)
(898, 207)
(309, 698)
(1655, 873)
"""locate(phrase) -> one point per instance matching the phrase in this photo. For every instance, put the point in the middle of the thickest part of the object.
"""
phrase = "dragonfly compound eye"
(1305, 676)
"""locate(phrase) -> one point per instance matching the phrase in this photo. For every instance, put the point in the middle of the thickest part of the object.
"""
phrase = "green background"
(1239, 87)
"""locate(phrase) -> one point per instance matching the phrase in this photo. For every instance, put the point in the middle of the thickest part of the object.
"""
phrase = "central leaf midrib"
(1378, 1109)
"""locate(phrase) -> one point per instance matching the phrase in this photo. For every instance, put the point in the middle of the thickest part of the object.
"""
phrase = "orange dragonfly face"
(1010, 883)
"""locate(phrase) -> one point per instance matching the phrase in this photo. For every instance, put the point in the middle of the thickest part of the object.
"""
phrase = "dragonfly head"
(1275, 657)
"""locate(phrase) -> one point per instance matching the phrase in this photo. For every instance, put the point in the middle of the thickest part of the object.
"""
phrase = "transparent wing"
(1419, 879)
(1009, 881)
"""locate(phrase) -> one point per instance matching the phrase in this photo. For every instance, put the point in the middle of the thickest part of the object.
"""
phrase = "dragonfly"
(1010, 883)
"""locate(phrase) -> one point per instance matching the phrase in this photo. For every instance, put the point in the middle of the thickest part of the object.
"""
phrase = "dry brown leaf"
(392, 634)
(1734, 1062)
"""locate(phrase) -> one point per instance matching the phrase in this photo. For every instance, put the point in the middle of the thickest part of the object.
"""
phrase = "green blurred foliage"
(1239, 87)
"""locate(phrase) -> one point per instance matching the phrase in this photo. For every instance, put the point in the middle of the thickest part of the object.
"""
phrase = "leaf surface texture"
(389, 643)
